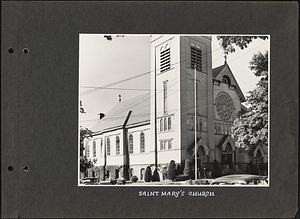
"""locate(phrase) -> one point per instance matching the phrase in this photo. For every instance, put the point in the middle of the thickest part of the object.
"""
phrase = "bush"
(148, 174)
(172, 170)
(216, 172)
(134, 179)
(188, 169)
(179, 169)
(117, 173)
(155, 177)
(181, 178)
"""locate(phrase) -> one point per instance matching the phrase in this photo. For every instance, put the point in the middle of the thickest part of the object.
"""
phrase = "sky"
(103, 62)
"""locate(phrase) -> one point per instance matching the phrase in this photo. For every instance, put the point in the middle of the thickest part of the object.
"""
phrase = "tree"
(188, 169)
(155, 176)
(251, 129)
(84, 133)
(228, 43)
(148, 174)
(171, 170)
(259, 64)
(85, 163)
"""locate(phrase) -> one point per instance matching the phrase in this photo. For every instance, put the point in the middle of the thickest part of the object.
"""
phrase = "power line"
(94, 89)
(185, 109)
(160, 98)
(136, 76)
(150, 89)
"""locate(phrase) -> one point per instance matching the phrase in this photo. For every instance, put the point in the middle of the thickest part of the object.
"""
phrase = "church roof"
(222, 141)
(115, 118)
(222, 70)
(216, 71)
(225, 139)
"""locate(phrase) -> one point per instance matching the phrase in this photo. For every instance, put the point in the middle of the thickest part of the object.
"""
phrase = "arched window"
(165, 58)
(165, 124)
(117, 145)
(196, 57)
(94, 149)
(130, 144)
(216, 128)
(161, 145)
(169, 144)
(201, 153)
(219, 128)
(108, 146)
(226, 80)
(169, 123)
(204, 124)
(201, 125)
(87, 149)
(142, 142)
(142, 174)
(222, 128)
(259, 156)
(161, 125)
(165, 96)
(228, 148)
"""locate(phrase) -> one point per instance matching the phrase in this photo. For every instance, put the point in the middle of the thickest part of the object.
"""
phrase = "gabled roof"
(216, 71)
(115, 118)
(222, 70)
(224, 141)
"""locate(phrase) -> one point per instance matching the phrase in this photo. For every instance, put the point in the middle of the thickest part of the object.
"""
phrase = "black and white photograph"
(149, 109)
(165, 110)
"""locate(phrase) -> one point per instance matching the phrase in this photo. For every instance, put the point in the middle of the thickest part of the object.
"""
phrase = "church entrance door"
(227, 159)
(227, 155)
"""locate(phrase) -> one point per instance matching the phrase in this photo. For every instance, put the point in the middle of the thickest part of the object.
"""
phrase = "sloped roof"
(222, 141)
(218, 73)
(115, 118)
(252, 149)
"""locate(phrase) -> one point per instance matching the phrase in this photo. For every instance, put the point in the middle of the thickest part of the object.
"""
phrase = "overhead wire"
(94, 89)
(105, 87)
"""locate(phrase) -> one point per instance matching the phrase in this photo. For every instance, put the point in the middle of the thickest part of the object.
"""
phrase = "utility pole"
(155, 121)
(195, 126)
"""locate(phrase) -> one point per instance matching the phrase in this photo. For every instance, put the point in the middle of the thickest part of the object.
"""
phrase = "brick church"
(159, 126)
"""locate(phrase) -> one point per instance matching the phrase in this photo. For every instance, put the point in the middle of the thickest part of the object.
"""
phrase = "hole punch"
(25, 50)
(10, 168)
(26, 168)
(10, 50)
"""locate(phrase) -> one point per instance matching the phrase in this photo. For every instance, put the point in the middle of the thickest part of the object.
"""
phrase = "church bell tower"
(173, 61)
